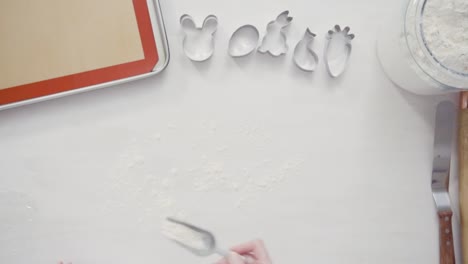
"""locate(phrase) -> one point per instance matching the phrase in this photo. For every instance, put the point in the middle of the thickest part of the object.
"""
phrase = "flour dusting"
(445, 28)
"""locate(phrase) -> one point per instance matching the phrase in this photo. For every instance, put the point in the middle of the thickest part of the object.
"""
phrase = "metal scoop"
(206, 244)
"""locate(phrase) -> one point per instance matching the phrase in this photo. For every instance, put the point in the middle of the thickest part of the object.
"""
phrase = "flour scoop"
(195, 239)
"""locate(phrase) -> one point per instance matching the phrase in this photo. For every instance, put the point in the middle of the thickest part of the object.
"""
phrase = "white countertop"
(324, 170)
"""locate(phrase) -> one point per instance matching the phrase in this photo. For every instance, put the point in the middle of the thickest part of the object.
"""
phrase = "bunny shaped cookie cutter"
(198, 43)
(274, 41)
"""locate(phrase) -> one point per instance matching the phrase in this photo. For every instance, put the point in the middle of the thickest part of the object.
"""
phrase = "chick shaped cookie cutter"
(198, 43)
(304, 56)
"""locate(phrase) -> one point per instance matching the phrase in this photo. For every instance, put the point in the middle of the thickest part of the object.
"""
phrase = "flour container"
(423, 47)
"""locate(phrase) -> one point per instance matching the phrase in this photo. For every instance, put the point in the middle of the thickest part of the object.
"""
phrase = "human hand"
(254, 251)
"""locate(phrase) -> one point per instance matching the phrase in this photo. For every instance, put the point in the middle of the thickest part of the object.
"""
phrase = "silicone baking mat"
(51, 46)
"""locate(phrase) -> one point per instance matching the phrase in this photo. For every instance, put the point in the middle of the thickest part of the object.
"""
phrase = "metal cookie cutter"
(338, 50)
(304, 57)
(274, 41)
(243, 41)
(198, 43)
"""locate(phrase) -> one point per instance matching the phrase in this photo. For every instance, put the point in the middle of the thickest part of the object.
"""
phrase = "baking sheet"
(54, 46)
(89, 36)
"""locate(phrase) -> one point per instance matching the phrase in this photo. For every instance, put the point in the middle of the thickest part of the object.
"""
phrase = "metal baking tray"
(160, 40)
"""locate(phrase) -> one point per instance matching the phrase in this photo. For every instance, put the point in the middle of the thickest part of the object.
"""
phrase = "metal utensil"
(198, 43)
(463, 170)
(151, 36)
(274, 42)
(243, 41)
(444, 132)
(206, 237)
(304, 56)
(338, 50)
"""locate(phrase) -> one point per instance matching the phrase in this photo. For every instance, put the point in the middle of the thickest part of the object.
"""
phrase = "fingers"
(222, 261)
(235, 258)
(232, 258)
(256, 248)
(247, 247)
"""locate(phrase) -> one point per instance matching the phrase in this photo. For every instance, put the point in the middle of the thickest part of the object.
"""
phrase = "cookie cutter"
(198, 43)
(274, 41)
(338, 50)
(304, 57)
(243, 41)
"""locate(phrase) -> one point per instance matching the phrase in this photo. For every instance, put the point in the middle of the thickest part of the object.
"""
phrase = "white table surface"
(324, 170)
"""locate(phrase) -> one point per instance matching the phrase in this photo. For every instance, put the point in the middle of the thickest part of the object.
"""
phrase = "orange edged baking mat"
(53, 46)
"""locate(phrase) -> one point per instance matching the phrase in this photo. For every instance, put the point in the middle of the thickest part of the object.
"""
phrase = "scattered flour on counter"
(247, 183)
(183, 235)
(165, 183)
(152, 190)
(209, 176)
(221, 149)
(171, 126)
(140, 187)
(136, 161)
(445, 29)
(157, 137)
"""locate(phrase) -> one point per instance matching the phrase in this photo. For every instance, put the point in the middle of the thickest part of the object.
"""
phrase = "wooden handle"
(447, 253)
(463, 171)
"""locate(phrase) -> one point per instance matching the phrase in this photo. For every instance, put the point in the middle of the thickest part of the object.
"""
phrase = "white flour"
(183, 235)
(445, 28)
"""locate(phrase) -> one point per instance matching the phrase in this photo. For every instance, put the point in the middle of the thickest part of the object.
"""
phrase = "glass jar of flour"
(424, 49)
